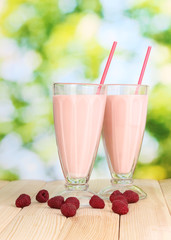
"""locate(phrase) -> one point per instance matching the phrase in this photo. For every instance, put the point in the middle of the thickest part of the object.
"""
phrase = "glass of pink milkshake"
(78, 118)
(123, 130)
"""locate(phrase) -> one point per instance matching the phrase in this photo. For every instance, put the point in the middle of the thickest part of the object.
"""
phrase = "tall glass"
(123, 130)
(78, 118)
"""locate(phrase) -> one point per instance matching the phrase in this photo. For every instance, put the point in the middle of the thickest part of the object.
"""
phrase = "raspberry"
(120, 207)
(23, 200)
(132, 197)
(68, 209)
(96, 202)
(42, 196)
(56, 202)
(74, 201)
(115, 193)
(121, 198)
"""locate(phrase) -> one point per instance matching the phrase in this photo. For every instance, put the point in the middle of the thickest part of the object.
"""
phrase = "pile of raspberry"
(120, 201)
(69, 206)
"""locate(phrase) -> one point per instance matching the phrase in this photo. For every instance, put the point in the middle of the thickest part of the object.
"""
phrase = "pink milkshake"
(78, 122)
(123, 130)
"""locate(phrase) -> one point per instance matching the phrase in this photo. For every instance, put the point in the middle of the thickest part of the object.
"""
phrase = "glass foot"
(83, 196)
(106, 192)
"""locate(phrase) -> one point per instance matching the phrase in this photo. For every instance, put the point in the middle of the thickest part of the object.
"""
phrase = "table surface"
(148, 219)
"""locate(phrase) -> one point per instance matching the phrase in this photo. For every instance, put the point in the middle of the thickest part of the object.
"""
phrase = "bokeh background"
(42, 41)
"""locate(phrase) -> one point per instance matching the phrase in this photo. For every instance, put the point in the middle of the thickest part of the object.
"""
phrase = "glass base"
(79, 191)
(106, 192)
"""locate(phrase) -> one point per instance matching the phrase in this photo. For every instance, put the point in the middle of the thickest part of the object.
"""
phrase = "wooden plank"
(8, 195)
(34, 227)
(11, 191)
(166, 190)
(99, 225)
(86, 225)
(38, 221)
(3, 183)
(92, 223)
(98, 184)
(36, 208)
(149, 218)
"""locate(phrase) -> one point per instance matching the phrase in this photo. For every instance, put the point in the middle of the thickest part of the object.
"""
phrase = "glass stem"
(76, 187)
(122, 181)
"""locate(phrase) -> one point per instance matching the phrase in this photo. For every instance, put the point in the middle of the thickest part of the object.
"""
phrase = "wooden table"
(147, 219)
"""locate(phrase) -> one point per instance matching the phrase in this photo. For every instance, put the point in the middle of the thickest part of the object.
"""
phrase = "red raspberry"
(120, 207)
(132, 197)
(23, 200)
(121, 198)
(74, 201)
(68, 209)
(96, 202)
(42, 196)
(115, 193)
(56, 202)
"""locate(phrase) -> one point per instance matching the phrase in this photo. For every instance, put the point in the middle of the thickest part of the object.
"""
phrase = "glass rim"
(81, 84)
(127, 85)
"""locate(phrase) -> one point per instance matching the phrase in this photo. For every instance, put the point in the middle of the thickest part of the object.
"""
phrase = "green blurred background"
(42, 41)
